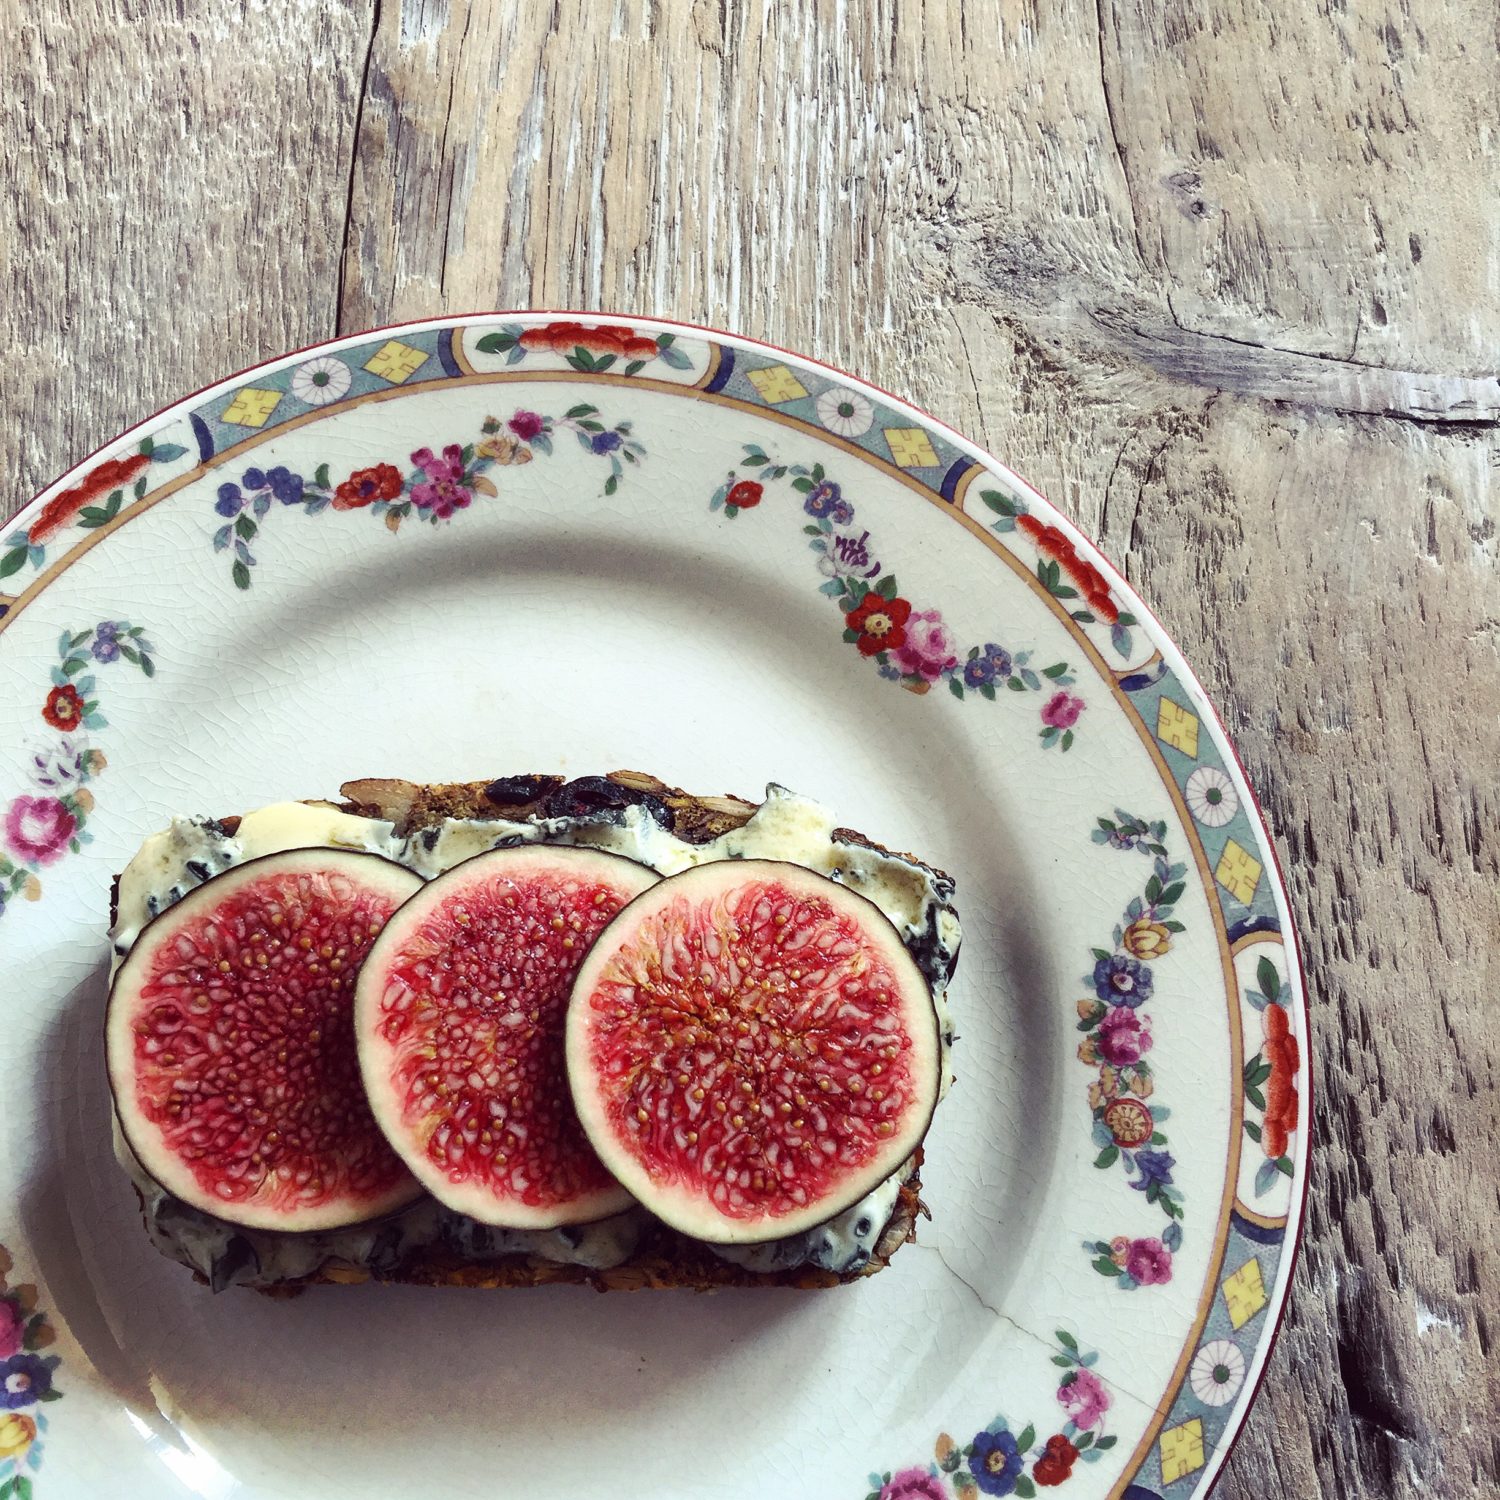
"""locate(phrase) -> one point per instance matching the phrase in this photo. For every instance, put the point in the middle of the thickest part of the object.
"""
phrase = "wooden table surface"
(1222, 277)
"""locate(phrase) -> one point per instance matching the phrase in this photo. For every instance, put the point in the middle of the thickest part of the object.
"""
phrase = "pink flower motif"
(1061, 711)
(449, 466)
(927, 651)
(526, 425)
(12, 1328)
(913, 1484)
(1123, 1038)
(444, 492)
(1084, 1398)
(441, 496)
(1149, 1261)
(38, 828)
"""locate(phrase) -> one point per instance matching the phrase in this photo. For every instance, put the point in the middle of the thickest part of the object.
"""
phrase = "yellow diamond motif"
(251, 407)
(1244, 1293)
(910, 447)
(776, 384)
(1181, 1451)
(1238, 872)
(395, 361)
(1176, 727)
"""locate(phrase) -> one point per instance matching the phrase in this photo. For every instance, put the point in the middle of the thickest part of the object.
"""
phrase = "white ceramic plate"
(524, 543)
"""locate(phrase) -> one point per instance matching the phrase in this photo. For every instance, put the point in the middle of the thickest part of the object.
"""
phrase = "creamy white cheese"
(785, 827)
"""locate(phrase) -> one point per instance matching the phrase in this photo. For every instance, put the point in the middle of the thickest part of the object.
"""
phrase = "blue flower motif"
(286, 486)
(1122, 980)
(978, 672)
(1154, 1166)
(890, 673)
(24, 1380)
(230, 501)
(106, 645)
(1122, 838)
(823, 499)
(606, 442)
(998, 658)
(995, 1462)
(843, 513)
(253, 479)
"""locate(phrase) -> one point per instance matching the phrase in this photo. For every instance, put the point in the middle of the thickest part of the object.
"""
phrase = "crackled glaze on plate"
(525, 542)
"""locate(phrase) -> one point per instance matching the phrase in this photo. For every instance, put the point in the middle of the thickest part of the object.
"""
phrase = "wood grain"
(1222, 277)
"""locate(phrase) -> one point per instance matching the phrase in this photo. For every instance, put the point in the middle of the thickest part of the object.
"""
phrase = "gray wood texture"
(1221, 276)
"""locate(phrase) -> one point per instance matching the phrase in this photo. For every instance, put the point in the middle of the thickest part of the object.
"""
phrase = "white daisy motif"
(1211, 797)
(1217, 1373)
(321, 381)
(845, 412)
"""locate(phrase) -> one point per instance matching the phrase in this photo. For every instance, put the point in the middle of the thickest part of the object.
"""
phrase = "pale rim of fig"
(631, 878)
(160, 1165)
(687, 1211)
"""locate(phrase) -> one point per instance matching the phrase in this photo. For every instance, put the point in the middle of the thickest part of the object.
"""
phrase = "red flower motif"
(744, 495)
(1090, 582)
(1281, 1090)
(64, 708)
(60, 509)
(365, 486)
(565, 337)
(1056, 1464)
(879, 622)
(1129, 1122)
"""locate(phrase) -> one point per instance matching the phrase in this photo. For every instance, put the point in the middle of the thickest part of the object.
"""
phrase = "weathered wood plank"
(172, 206)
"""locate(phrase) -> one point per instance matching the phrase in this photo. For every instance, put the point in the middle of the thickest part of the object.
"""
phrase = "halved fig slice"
(751, 1050)
(230, 1043)
(460, 1022)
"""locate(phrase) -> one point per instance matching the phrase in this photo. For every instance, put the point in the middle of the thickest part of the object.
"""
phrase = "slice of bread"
(662, 1258)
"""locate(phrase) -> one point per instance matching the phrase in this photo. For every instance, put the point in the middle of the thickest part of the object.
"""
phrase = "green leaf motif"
(1268, 979)
(1108, 1157)
(956, 688)
(12, 561)
(1001, 504)
(241, 576)
(1026, 1439)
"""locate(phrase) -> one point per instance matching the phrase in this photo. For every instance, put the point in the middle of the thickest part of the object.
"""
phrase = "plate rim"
(1163, 641)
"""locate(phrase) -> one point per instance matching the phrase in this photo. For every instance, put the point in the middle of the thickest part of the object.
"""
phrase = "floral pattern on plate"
(50, 820)
(998, 1460)
(1271, 1078)
(912, 646)
(1117, 1038)
(592, 348)
(27, 1383)
(95, 500)
(435, 488)
(1059, 560)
